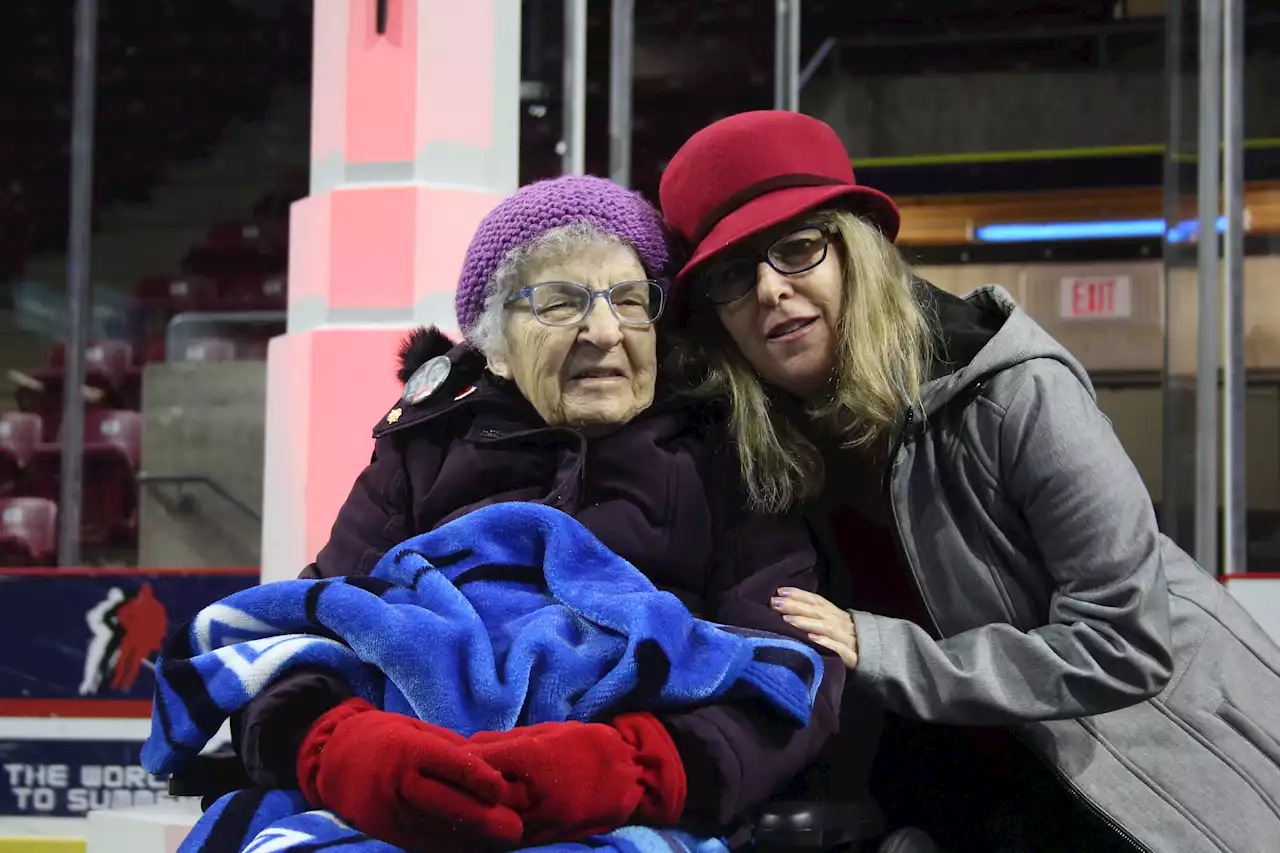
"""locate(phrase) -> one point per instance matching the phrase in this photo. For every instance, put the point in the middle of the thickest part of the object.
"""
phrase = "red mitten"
(404, 781)
(572, 780)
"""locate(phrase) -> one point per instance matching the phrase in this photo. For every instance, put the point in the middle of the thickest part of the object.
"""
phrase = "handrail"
(1116, 380)
(147, 478)
(958, 37)
(815, 61)
(245, 318)
(187, 325)
(1101, 32)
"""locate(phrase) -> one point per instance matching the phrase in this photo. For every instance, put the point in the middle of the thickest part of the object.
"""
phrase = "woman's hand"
(827, 625)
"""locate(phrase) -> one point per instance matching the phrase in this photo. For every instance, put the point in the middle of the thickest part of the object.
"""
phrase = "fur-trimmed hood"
(420, 346)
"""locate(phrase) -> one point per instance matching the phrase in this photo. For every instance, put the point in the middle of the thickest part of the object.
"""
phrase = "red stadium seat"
(256, 293)
(112, 452)
(106, 363)
(173, 294)
(237, 236)
(20, 434)
(28, 532)
(226, 265)
(252, 243)
(44, 402)
(117, 433)
(114, 381)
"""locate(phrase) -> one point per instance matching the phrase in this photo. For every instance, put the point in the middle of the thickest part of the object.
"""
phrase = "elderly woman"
(1009, 580)
(555, 398)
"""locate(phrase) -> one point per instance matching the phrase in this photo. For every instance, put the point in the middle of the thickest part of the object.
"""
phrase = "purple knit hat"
(537, 208)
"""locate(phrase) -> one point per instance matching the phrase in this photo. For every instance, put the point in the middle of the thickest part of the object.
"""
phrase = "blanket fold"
(509, 616)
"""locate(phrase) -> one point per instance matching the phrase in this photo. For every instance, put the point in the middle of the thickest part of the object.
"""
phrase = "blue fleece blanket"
(451, 627)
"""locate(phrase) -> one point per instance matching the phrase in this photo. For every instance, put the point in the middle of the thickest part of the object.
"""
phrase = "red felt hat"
(749, 172)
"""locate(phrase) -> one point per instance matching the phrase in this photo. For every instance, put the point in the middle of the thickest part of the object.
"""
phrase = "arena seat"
(45, 402)
(112, 452)
(167, 295)
(110, 374)
(256, 293)
(20, 433)
(105, 361)
(28, 532)
(155, 58)
(238, 236)
(226, 265)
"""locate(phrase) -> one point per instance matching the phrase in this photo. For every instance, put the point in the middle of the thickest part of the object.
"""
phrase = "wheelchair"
(781, 827)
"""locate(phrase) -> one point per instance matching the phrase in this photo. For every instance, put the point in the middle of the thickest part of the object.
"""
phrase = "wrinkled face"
(786, 325)
(596, 375)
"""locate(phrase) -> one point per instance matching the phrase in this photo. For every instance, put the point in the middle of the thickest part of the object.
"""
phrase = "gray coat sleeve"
(1105, 644)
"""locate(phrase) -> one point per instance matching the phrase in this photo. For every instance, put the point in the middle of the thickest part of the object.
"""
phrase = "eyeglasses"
(735, 277)
(567, 303)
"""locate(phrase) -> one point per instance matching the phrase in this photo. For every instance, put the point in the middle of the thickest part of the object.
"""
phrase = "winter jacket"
(1056, 607)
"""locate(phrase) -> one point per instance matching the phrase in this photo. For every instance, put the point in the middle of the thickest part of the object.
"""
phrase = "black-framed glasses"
(567, 303)
(797, 252)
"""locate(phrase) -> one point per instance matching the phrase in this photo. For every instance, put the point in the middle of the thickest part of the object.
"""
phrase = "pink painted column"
(414, 137)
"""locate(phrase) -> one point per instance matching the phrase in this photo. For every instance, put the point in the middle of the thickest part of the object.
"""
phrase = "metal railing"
(192, 326)
(184, 502)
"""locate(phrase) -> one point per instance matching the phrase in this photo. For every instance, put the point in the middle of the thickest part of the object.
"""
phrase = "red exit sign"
(1106, 297)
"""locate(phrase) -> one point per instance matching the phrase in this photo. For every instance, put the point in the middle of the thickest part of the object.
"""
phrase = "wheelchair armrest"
(209, 776)
(817, 825)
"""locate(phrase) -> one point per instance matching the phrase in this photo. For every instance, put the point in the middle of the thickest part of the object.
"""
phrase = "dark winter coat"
(662, 492)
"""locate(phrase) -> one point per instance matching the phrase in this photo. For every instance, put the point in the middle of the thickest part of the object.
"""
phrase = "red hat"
(751, 171)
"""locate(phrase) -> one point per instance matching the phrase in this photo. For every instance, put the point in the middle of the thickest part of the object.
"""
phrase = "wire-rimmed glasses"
(797, 252)
(567, 303)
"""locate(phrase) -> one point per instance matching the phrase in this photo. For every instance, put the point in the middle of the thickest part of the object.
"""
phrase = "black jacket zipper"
(887, 486)
(1080, 798)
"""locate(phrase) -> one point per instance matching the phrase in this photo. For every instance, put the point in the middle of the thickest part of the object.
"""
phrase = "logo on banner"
(126, 630)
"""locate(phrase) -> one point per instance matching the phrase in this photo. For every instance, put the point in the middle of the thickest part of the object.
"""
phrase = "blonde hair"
(883, 352)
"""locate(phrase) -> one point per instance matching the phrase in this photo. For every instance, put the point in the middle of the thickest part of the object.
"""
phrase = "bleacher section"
(157, 59)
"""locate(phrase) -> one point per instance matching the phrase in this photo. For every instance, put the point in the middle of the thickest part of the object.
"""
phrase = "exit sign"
(1101, 297)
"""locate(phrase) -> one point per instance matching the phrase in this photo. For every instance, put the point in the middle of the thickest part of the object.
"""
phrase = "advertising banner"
(67, 778)
(82, 642)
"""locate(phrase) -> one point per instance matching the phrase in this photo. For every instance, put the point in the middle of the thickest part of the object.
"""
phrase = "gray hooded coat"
(1060, 611)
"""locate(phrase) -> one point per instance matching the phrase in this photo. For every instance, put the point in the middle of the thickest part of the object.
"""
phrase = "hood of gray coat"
(981, 334)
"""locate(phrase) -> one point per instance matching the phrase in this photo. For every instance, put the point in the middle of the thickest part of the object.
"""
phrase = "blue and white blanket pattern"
(449, 627)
